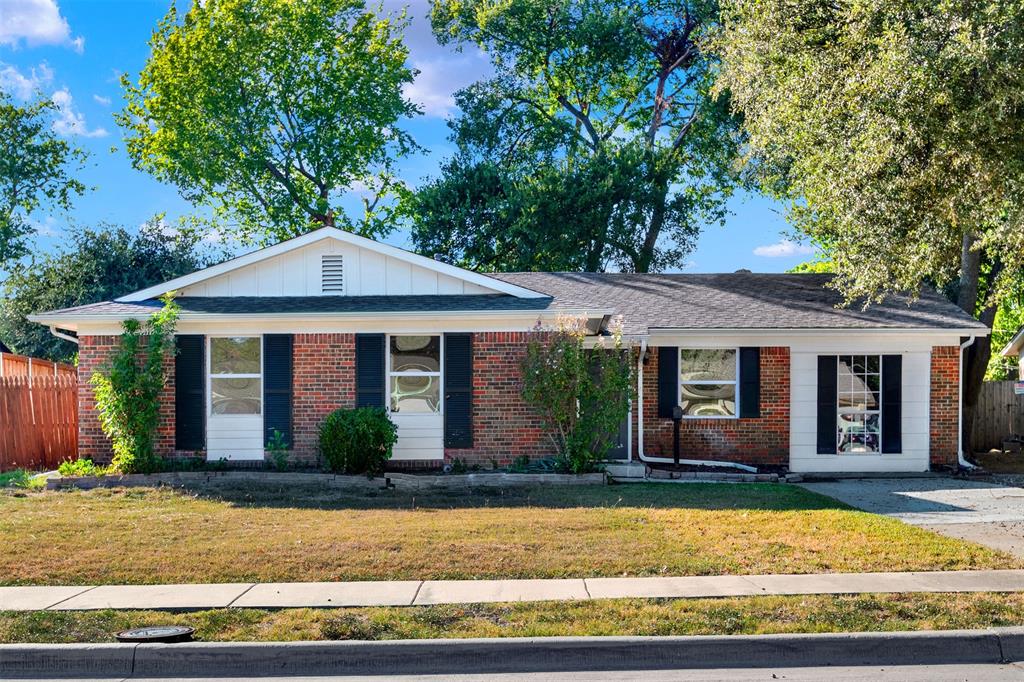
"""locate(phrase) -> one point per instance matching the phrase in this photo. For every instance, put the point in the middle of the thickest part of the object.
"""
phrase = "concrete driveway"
(989, 513)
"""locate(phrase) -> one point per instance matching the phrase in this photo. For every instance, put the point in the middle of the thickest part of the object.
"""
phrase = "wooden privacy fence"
(1000, 413)
(12, 365)
(38, 421)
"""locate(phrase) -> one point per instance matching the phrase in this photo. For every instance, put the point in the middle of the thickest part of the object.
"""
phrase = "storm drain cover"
(157, 633)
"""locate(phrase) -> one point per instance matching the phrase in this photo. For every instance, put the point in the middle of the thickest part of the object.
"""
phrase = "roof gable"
(366, 268)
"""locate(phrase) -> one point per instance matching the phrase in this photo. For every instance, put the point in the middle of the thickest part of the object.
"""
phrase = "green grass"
(741, 615)
(19, 478)
(274, 533)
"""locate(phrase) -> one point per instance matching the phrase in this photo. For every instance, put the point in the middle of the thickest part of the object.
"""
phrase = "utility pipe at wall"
(640, 426)
(961, 460)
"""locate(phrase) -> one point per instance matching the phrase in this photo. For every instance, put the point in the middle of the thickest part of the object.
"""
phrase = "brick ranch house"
(765, 370)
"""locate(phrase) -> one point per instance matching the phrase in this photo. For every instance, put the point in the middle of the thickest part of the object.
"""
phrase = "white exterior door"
(234, 425)
(415, 395)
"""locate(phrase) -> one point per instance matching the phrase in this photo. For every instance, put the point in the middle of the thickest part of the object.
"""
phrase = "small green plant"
(357, 441)
(458, 466)
(79, 467)
(277, 450)
(520, 465)
(19, 478)
(128, 390)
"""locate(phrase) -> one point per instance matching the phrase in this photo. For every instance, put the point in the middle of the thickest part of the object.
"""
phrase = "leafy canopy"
(269, 110)
(596, 143)
(97, 265)
(893, 127)
(36, 169)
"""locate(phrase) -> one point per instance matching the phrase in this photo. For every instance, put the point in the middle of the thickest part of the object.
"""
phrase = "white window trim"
(840, 410)
(439, 374)
(210, 376)
(735, 382)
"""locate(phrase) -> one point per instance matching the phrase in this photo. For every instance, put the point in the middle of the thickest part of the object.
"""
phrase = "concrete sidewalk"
(426, 592)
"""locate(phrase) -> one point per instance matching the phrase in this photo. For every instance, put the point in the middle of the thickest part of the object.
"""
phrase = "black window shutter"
(190, 392)
(892, 403)
(370, 370)
(277, 387)
(458, 390)
(828, 366)
(668, 380)
(750, 383)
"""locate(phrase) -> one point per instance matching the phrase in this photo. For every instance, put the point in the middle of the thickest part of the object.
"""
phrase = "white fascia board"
(72, 323)
(1012, 349)
(676, 331)
(340, 235)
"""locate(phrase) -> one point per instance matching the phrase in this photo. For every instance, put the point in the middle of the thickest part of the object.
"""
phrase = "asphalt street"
(924, 673)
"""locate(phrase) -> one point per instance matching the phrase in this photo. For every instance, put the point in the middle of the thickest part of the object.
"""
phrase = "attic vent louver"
(332, 274)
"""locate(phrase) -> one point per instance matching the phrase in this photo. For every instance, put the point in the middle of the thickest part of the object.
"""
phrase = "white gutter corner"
(62, 335)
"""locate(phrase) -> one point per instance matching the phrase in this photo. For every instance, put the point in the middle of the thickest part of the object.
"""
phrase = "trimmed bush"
(357, 441)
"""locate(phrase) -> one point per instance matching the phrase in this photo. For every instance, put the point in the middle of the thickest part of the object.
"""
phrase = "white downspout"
(961, 460)
(62, 335)
(640, 426)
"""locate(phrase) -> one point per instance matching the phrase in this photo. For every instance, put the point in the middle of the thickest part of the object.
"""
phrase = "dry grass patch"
(742, 615)
(277, 534)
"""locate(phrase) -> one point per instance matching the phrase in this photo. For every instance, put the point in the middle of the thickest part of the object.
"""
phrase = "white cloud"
(37, 22)
(438, 80)
(784, 248)
(100, 99)
(24, 86)
(69, 121)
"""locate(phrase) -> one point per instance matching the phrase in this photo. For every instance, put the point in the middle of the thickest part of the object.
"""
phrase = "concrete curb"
(512, 655)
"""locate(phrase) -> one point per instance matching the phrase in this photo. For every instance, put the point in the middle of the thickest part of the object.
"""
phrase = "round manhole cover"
(157, 633)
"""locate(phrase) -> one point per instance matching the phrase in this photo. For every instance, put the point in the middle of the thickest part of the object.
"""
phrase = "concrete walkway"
(989, 513)
(426, 592)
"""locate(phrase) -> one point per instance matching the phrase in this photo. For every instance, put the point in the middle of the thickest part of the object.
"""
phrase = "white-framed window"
(707, 382)
(859, 404)
(236, 379)
(414, 374)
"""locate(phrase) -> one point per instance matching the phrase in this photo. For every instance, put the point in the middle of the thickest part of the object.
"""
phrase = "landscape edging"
(401, 481)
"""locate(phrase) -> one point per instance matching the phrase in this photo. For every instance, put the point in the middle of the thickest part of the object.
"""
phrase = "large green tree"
(595, 145)
(896, 130)
(37, 171)
(270, 110)
(97, 265)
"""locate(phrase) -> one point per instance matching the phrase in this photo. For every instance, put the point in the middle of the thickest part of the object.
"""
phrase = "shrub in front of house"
(357, 441)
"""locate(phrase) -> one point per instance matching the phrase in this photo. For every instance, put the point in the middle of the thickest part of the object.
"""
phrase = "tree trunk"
(646, 256)
(978, 353)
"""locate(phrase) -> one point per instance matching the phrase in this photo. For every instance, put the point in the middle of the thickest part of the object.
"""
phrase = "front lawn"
(734, 616)
(296, 534)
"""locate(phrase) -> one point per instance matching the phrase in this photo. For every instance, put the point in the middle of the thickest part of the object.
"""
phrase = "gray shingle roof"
(265, 305)
(646, 301)
(740, 300)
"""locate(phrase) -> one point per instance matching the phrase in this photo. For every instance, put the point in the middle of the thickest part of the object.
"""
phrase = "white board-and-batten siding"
(299, 273)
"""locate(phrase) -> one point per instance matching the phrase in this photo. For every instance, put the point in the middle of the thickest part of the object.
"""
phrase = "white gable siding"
(298, 273)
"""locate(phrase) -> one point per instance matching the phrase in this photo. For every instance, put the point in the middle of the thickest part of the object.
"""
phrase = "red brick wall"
(504, 426)
(94, 354)
(324, 380)
(762, 442)
(944, 397)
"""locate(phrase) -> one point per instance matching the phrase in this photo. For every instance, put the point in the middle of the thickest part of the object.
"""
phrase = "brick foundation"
(944, 418)
(762, 442)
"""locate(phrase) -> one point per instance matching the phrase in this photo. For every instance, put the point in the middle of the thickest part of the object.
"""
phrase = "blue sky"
(73, 51)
